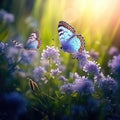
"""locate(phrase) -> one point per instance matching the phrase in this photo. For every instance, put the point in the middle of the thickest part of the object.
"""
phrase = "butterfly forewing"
(65, 31)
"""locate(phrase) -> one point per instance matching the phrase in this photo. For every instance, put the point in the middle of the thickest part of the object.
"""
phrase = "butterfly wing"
(33, 41)
(65, 31)
(17, 44)
(70, 42)
(74, 44)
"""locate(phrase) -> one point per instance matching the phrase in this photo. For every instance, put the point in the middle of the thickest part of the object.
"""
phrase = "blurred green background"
(97, 20)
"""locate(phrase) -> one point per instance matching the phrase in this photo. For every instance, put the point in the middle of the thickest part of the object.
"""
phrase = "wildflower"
(67, 88)
(113, 51)
(6, 17)
(51, 53)
(1, 46)
(62, 78)
(62, 67)
(12, 55)
(114, 64)
(38, 73)
(28, 56)
(74, 75)
(94, 54)
(13, 104)
(55, 72)
(108, 85)
(92, 68)
(83, 85)
(82, 57)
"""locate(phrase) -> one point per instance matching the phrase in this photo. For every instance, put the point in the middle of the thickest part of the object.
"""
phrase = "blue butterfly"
(32, 43)
(70, 41)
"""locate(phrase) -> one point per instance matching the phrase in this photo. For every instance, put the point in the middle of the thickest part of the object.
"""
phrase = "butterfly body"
(70, 41)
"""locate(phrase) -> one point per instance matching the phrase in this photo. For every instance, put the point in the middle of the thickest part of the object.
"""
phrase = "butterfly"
(70, 41)
(33, 42)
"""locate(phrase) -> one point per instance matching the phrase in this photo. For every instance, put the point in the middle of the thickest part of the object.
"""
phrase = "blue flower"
(74, 75)
(67, 88)
(13, 104)
(82, 57)
(62, 78)
(12, 55)
(51, 54)
(28, 56)
(113, 51)
(94, 54)
(6, 17)
(55, 72)
(38, 73)
(108, 85)
(114, 64)
(83, 86)
(3, 47)
(92, 68)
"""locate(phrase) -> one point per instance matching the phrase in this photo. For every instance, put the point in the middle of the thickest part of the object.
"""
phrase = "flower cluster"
(54, 81)
(81, 85)
(114, 64)
(6, 17)
(50, 65)
(51, 54)
(108, 85)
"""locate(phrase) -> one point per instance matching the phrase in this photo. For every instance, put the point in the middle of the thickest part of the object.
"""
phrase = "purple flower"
(55, 72)
(82, 57)
(113, 51)
(28, 56)
(67, 88)
(62, 78)
(114, 64)
(108, 85)
(13, 104)
(6, 17)
(92, 68)
(12, 55)
(83, 86)
(1, 46)
(74, 75)
(38, 73)
(94, 54)
(51, 54)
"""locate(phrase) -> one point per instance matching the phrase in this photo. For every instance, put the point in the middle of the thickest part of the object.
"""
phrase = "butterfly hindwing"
(73, 44)
(70, 41)
(81, 38)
